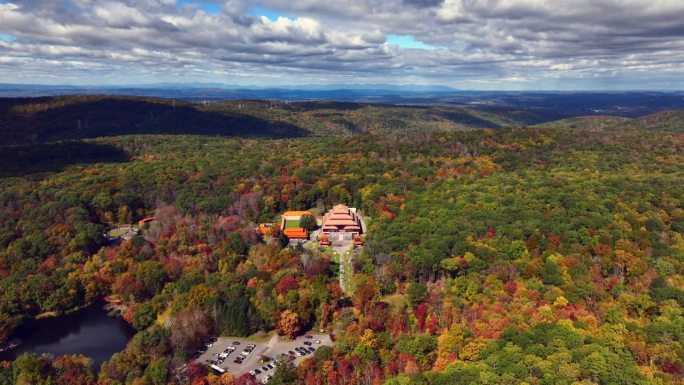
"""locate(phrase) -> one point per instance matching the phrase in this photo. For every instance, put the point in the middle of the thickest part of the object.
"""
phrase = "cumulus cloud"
(536, 43)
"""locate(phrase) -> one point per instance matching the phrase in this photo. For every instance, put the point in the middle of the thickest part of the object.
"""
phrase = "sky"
(464, 44)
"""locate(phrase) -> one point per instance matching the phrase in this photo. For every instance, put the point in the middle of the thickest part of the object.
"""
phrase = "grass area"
(117, 232)
(292, 223)
(256, 337)
(395, 300)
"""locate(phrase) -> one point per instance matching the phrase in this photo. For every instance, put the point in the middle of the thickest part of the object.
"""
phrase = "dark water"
(90, 332)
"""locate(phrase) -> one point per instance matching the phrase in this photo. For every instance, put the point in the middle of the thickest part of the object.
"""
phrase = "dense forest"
(549, 254)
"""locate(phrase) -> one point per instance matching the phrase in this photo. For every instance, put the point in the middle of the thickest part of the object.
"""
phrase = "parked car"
(291, 353)
(237, 361)
(307, 343)
(257, 371)
(229, 349)
(270, 366)
(318, 341)
(236, 343)
(312, 349)
(308, 336)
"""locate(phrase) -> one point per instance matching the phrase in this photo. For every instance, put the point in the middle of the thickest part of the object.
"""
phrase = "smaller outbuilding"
(146, 220)
(290, 222)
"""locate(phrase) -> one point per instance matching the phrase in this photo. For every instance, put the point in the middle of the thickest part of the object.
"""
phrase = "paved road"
(264, 352)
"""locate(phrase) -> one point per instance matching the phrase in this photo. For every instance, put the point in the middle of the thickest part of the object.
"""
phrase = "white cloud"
(510, 40)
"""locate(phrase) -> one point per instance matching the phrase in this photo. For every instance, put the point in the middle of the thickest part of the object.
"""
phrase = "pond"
(90, 332)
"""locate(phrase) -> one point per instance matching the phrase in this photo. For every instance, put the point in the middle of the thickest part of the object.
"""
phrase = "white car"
(266, 379)
(318, 341)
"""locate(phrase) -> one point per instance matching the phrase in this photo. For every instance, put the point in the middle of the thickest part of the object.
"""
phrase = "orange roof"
(265, 228)
(145, 220)
(295, 213)
(341, 218)
(296, 233)
(341, 222)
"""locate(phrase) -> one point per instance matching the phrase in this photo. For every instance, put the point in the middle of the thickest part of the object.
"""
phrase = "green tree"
(144, 316)
(285, 373)
(417, 292)
(308, 222)
(158, 371)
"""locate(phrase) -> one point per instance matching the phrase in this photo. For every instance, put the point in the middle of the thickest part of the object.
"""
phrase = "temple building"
(341, 219)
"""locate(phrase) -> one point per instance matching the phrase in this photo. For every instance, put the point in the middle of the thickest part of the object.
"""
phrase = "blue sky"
(271, 14)
(467, 44)
(7, 37)
(408, 41)
(207, 6)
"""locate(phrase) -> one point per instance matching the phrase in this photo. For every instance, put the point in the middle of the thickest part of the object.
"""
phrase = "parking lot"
(225, 350)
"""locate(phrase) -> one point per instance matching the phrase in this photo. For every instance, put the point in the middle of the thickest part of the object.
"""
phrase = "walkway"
(342, 248)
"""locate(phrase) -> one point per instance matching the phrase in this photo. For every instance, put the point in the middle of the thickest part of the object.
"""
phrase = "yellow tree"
(288, 324)
(225, 379)
(447, 347)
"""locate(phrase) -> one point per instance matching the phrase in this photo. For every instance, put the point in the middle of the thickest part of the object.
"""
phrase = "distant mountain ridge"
(671, 120)
(552, 104)
(52, 119)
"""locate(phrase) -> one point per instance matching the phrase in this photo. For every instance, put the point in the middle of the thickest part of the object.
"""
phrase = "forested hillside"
(540, 255)
(40, 120)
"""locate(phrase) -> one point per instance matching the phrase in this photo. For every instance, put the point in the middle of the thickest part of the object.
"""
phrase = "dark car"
(270, 366)
(308, 336)
(264, 368)
(312, 349)
(307, 343)
(236, 343)
(257, 371)
(237, 361)
(291, 353)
